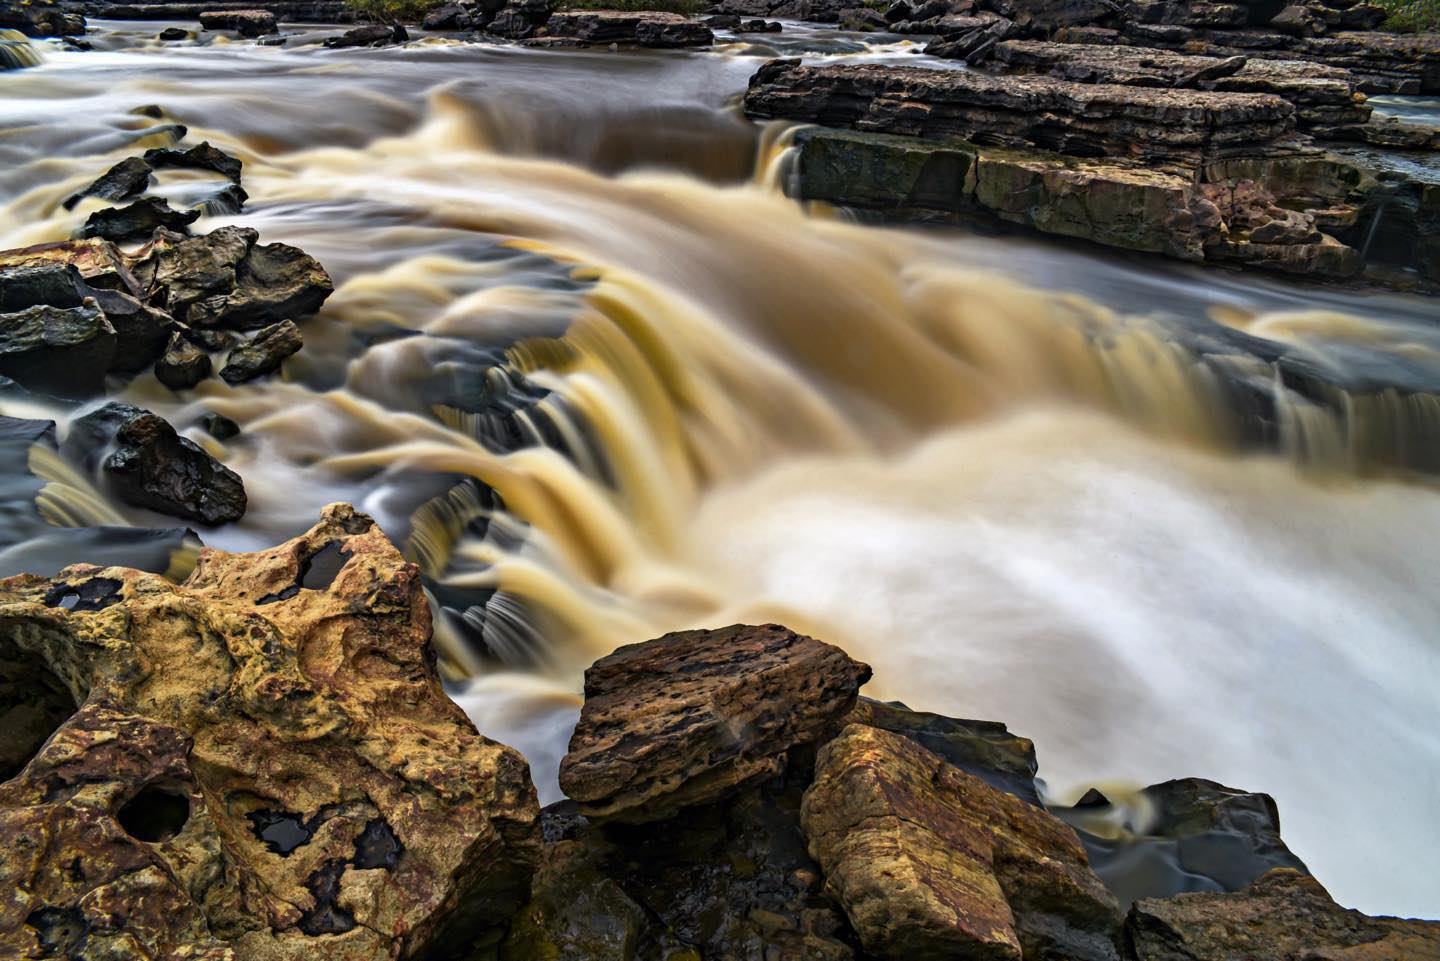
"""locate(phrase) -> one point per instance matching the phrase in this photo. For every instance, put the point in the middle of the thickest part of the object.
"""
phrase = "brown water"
(1021, 480)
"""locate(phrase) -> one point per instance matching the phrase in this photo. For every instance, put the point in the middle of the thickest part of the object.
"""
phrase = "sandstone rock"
(688, 717)
(100, 262)
(139, 219)
(202, 156)
(263, 354)
(183, 365)
(1284, 916)
(369, 35)
(59, 351)
(932, 864)
(128, 178)
(247, 23)
(263, 766)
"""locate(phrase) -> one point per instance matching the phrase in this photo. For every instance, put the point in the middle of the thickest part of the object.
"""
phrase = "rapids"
(1015, 477)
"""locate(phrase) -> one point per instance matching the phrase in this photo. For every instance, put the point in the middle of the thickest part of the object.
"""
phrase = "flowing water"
(602, 380)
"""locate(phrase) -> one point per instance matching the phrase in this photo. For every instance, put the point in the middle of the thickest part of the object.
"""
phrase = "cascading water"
(603, 381)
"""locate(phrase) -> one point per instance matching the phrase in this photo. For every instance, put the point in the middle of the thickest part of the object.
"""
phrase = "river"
(603, 380)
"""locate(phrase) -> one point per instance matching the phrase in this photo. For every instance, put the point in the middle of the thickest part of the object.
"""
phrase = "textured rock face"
(61, 351)
(128, 178)
(646, 28)
(183, 365)
(263, 766)
(1284, 916)
(1081, 119)
(137, 220)
(247, 23)
(263, 354)
(688, 717)
(202, 156)
(932, 864)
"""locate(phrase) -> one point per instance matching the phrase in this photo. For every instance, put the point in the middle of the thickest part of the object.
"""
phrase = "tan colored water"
(1012, 477)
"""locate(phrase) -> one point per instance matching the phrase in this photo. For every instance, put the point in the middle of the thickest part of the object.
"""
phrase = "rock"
(688, 717)
(644, 28)
(154, 467)
(450, 16)
(41, 18)
(139, 219)
(52, 284)
(219, 426)
(974, 45)
(369, 35)
(183, 365)
(247, 23)
(59, 351)
(171, 34)
(723, 21)
(263, 354)
(272, 41)
(862, 19)
(520, 19)
(759, 26)
(140, 331)
(229, 199)
(932, 864)
(1298, 21)
(202, 156)
(257, 769)
(1086, 120)
(99, 262)
(1284, 916)
(128, 178)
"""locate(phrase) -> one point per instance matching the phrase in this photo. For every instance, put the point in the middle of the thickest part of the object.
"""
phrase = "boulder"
(100, 262)
(645, 28)
(369, 35)
(687, 718)
(183, 365)
(933, 864)
(152, 466)
(128, 178)
(520, 19)
(61, 351)
(172, 34)
(140, 331)
(202, 156)
(247, 23)
(136, 220)
(263, 353)
(41, 18)
(1283, 916)
(259, 764)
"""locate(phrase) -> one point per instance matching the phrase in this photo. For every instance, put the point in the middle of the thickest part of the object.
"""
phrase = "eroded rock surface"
(644, 28)
(262, 354)
(257, 769)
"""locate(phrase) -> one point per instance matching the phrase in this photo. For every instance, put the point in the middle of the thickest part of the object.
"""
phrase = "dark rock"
(139, 219)
(1297, 20)
(128, 178)
(974, 45)
(1283, 916)
(723, 21)
(202, 156)
(229, 199)
(645, 28)
(170, 34)
(99, 262)
(61, 351)
(219, 426)
(450, 16)
(183, 365)
(263, 354)
(759, 26)
(247, 23)
(369, 35)
(520, 19)
(687, 718)
(862, 19)
(41, 18)
(52, 284)
(210, 339)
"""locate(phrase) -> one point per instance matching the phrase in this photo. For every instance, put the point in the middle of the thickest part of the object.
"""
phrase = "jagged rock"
(1250, 210)
(183, 365)
(139, 219)
(152, 466)
(99, 262)
(369, 35)
(247, 23)
(933, 864)
(172, 34)
(128, 178)
(263, 765)
(759, 26)
(688, 717)
(520, 19)
(1087, 120)
(140, 331)
(202, 156)
(1284, 916)
(644, 28)
(450, 16)
(219, 426)
(263, 354)
(862, 19)
(59, 351)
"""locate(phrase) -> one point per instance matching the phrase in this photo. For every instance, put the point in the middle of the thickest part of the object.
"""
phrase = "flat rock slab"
(688, 717)
(933, 864)
(643, 28)
(1079, 119)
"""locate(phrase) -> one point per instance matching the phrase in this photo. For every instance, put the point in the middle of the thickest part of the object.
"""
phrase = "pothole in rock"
(317, 572)
(154, 815)
(58, 930)
(95, 594)
(34, 702)
(281, 831)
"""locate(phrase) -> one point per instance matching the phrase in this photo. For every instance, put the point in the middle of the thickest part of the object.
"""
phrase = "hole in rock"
(377, 846)
(95, 594)
(281, 831)
(34, 702)
(327, 917)
(155, 814)
(319, 570)
(58, 930)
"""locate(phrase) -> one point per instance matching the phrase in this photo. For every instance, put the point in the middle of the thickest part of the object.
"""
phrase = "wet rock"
(172, 34)
(128, 178)
(759, 26)
(263, 354)
(61, 351)
(688, 717)
(575, 911)
(644, 28)
(140, 331)
(862, 19)
(152, 466)
(369, 35)
(247, 23)
(197, 710)
(520, 19)
(202, 156)
(1283, 916)
(183, 365)
(932, 863)
(99, 262)
(137, 220)
(973, 45)
(41, 18)
(219, 426)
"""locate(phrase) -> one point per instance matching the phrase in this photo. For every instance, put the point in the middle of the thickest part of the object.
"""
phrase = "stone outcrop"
(689, 717)
(933, 864)
(1283, 916)
(258, 764)
(247, 23)
(645, 28)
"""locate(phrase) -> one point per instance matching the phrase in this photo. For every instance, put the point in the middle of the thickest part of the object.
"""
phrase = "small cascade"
(16, 51)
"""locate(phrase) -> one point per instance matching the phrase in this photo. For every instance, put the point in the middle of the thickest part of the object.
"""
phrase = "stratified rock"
(933, 864)
(644, 28)
(247, 23)
(1087, 120)
(128, 178)
(369, 35)
(202, 156)
(263, 765)
(99, 262)
(60, 351)
(1284, 916)
(154, 467)
(137, 220)
(183, 365)
(263, 354)
(520, 19)
(688, 717)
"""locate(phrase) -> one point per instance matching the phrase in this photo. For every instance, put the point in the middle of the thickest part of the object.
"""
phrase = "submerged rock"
(59, 351)
(369, 35)
(263, 354)
(137, 220)
(253, 772)
(688, 717)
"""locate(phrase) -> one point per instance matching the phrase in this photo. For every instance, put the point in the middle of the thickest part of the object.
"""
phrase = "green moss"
(1412, 16)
